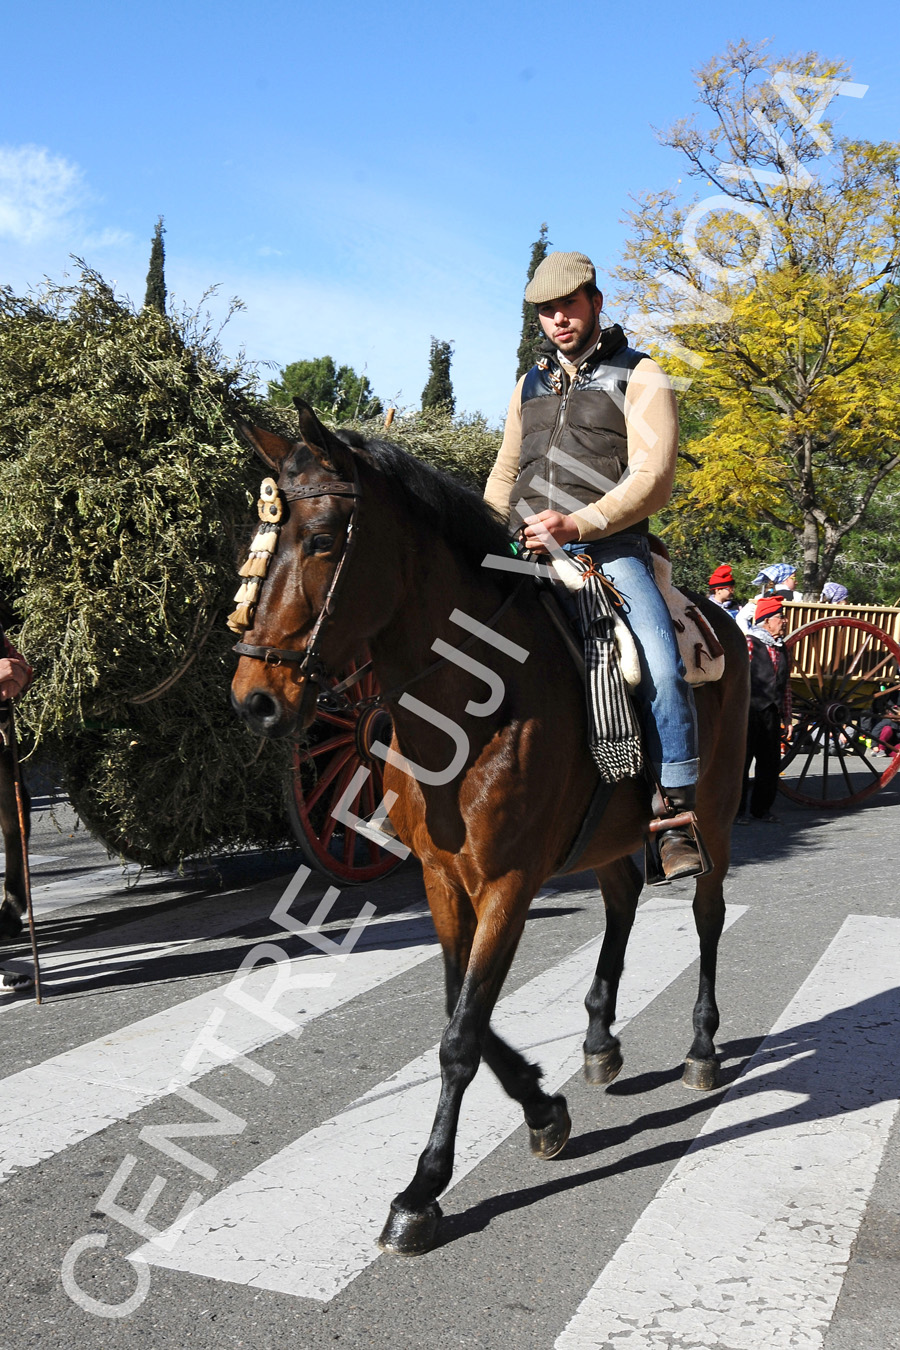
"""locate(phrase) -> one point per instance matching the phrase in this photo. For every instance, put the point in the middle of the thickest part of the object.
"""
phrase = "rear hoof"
(552, 1139)
(410, 1232)
(602, 1068)
(701, 1074)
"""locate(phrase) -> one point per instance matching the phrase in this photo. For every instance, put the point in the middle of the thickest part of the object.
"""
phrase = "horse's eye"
(321, 543)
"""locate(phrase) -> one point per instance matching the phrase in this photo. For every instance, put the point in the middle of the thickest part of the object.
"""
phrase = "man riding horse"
(594, 414)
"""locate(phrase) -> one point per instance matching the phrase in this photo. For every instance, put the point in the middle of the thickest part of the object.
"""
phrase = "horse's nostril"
(262, 706)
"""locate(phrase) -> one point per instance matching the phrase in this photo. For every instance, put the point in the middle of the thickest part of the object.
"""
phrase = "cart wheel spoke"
(327, 778)
(327, 747)
(876, 773)
(340, 785)
(809, 759)
(336, 719)
(847, 779)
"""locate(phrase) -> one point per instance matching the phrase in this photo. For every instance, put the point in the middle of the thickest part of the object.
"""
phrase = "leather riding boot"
(678, 850)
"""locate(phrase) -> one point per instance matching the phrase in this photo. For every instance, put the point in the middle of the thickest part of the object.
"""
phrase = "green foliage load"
(532, 333)
(337, 391)
(155, 296)
(125, 500)
(438, 391)
(462, 444)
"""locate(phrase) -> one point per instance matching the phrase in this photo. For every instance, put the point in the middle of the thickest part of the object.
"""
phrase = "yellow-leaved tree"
(773, 298)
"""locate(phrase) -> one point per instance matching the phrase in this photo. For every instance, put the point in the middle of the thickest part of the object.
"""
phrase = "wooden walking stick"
(9, 735)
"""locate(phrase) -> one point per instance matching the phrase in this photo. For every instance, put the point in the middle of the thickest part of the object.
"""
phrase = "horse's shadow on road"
(865, 1071)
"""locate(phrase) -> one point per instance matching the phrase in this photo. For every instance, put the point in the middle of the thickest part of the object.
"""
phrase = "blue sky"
(365, 176)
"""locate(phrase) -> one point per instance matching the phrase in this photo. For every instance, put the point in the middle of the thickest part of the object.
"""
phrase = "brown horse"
(490, 790)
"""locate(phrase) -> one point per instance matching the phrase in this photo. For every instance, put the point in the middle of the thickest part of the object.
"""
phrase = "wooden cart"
(842, 657)
(321, 786)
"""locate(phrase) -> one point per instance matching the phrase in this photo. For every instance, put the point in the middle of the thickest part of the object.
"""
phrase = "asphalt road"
(763, 1215)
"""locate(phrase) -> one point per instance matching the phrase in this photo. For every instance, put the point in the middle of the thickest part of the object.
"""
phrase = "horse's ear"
(272, 449)
(333, 454)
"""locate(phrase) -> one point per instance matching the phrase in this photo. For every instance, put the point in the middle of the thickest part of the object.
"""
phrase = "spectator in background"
(721, 590)
(784, 575)
(775, 579)
(833, 593)
(885, 733)
(770, 706)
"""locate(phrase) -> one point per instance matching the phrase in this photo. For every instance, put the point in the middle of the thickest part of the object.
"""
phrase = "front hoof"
(701, 1074)
(552, 1139)
(410, 1232)
(603, 1068)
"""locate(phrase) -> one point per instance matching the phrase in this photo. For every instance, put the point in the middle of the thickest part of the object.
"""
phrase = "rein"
(307, 659)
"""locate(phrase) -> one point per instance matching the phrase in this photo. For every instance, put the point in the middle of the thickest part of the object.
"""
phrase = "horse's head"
(300, 559)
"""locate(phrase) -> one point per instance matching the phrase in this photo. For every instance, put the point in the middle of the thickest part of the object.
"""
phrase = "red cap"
(722, 576)
(766, 606)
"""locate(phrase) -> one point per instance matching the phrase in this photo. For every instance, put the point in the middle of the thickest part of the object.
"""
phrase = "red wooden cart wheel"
(838, 666)
(339, 746)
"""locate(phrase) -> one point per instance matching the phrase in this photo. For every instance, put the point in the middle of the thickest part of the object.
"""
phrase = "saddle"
(605, 655)
(700, 649)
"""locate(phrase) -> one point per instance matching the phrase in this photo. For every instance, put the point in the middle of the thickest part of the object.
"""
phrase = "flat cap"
(558, 275)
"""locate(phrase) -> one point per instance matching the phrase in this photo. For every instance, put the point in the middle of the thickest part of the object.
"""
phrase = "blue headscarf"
(834, 593)
(776, 573)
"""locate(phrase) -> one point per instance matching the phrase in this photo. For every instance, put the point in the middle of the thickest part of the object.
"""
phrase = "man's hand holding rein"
(547, 527)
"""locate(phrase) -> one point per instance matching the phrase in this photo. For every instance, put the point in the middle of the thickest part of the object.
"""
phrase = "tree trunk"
(812, 582)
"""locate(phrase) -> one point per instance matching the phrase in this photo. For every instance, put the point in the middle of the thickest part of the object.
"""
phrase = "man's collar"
(610, 340)
(765, 636)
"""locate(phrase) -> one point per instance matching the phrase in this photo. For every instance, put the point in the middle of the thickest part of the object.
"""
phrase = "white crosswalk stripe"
(744, 1247)
(49, 896)
(333, 1184)
(76, 1094)
(775, 1183)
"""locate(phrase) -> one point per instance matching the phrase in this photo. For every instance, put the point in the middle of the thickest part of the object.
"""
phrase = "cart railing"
(839, 648)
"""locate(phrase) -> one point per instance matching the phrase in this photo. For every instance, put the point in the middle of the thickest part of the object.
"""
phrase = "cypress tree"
(155, 297)
(438, 391)
(531, 328)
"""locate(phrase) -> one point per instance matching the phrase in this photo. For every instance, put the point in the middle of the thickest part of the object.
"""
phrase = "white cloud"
(38, 191)
(108, 238)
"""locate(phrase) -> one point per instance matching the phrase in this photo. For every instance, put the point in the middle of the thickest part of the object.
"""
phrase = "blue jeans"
(664, 699)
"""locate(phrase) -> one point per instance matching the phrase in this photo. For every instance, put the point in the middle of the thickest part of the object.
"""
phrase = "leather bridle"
(307, 659)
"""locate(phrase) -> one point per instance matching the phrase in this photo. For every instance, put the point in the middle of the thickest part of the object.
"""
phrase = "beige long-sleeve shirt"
(651, 421)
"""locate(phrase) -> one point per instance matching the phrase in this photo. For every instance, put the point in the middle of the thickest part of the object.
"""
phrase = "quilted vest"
(574, 442)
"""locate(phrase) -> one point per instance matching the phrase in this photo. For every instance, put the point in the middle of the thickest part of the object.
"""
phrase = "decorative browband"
(270, 509)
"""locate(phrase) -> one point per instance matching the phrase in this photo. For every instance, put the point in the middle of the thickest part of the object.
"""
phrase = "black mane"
(450, 509)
